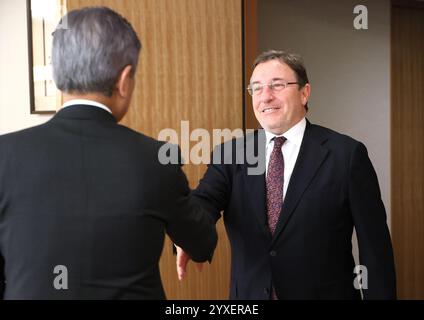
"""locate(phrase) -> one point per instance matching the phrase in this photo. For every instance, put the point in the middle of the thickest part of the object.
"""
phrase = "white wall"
(14, 74)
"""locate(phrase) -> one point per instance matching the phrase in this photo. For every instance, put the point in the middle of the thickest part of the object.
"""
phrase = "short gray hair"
(294, 61)
(89, 54)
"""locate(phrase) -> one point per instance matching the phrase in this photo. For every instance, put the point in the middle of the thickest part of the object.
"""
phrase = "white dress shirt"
(290, 149)
(86, 102)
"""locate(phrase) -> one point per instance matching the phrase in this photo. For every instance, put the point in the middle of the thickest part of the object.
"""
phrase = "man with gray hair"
(290, 228)
(84, 201)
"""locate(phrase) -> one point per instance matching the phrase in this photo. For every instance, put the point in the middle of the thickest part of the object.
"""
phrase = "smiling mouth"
(269, 109)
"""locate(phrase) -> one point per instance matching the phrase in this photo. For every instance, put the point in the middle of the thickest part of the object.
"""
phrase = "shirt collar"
(294, 134)
(86, 103)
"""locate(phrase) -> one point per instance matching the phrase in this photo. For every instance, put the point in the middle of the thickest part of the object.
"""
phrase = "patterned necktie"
(275, 183)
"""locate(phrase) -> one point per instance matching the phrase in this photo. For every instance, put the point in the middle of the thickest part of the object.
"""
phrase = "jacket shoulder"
(331, 136)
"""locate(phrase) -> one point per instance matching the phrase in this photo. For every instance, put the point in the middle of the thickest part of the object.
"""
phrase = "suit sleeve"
(375, 248)
(214, 189)
(189, 226)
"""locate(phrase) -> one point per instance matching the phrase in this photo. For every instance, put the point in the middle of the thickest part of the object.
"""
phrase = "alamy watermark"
(60, 282)
(228, 146)
(361, 280)
(361, 19)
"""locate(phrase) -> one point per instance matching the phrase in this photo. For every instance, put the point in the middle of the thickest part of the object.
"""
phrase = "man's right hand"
(182, 259)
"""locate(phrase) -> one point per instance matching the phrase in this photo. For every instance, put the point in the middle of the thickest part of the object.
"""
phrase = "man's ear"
(124, 83)
(306, 92)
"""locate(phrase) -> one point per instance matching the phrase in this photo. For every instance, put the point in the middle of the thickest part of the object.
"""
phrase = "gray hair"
(89, 54)
(294, 61)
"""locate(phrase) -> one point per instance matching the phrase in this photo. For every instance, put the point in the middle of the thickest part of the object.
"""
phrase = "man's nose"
(266, 94)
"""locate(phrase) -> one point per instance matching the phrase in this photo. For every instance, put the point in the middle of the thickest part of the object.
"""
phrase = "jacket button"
(273, 253)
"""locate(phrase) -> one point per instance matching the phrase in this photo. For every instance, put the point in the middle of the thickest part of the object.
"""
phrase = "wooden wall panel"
(250, 54)
(190, 69)
(408, 149)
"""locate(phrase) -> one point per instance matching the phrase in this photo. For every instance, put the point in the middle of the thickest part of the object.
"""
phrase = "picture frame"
(42, 18)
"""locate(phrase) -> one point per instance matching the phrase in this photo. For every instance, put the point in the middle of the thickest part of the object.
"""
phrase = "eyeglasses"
(255, 89)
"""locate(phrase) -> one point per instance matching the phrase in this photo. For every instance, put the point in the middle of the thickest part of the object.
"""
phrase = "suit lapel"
(311, 156)
(257, 201)
(254, 185)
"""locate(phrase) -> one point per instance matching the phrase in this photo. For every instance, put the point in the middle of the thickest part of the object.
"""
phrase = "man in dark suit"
(85, 202)
(290, 226)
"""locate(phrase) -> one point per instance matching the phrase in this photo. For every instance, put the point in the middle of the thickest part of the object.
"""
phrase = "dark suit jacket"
(84, 192)
(333, 188)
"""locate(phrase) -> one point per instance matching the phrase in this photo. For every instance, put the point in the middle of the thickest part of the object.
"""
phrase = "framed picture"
(43, 17)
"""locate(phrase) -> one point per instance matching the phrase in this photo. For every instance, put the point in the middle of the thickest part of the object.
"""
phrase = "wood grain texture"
(250, 54)
(407, 80)
(190, 69)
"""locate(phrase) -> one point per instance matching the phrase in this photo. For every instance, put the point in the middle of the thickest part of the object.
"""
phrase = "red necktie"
(275, 183)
